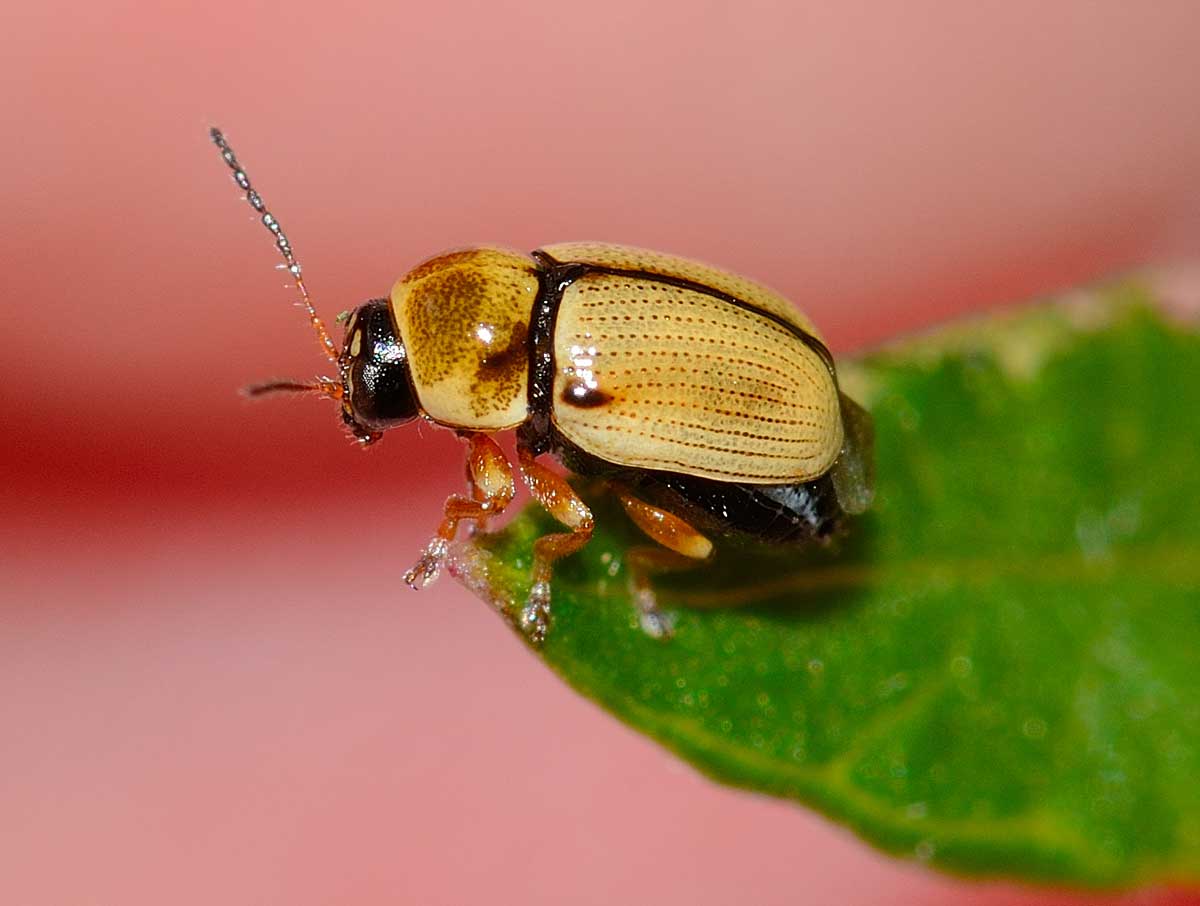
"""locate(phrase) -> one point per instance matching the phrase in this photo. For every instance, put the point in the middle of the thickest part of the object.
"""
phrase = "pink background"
(214, 689)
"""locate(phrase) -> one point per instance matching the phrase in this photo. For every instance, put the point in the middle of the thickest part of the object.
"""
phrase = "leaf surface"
(997, 670)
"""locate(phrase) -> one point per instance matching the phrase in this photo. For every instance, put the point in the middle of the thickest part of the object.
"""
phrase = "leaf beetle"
(706, 401)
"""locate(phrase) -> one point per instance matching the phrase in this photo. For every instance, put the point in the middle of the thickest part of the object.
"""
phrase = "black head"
(377, 390)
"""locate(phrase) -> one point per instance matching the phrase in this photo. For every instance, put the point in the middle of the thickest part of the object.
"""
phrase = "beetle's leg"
(478, 525)
(490, 476)
(560, 500)
(682, 547)
(641, 563)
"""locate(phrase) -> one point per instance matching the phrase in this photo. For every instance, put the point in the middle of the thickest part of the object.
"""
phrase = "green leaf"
(997, 670)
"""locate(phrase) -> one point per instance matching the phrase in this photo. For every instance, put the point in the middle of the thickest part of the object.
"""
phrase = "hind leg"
(682, 547)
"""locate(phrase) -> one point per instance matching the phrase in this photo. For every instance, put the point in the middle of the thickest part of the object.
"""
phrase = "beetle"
(705, 401)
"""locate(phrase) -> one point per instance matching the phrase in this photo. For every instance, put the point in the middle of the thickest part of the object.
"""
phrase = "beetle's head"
(376, 389)
(373, 385)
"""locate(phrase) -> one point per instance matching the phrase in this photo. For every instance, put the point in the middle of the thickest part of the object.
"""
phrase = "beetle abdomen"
(657, 371)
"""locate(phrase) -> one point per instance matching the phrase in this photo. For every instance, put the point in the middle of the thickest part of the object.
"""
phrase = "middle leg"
(553, 492)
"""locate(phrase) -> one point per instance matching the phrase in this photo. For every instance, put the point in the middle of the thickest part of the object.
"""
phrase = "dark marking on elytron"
(581, 396)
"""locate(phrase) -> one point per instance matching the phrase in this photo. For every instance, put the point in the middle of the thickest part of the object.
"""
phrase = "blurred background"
(214, 687)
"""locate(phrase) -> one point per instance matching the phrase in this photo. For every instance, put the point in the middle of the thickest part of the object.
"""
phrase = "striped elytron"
(708, 403)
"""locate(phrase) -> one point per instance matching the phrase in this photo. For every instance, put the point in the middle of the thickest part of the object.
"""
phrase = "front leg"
(560, 500)
(492, 488)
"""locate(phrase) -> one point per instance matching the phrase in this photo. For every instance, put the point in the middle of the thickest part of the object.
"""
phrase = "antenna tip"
(216, 134)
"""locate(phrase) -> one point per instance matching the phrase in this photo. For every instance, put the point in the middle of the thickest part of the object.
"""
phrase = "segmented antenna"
(291, 265)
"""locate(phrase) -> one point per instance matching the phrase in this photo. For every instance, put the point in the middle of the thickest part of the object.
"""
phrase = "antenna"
(291, 265)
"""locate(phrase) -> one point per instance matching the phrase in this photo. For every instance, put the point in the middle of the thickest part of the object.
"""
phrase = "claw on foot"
(429, 566)
(658, 625)
(654, 622)
(535, 615)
